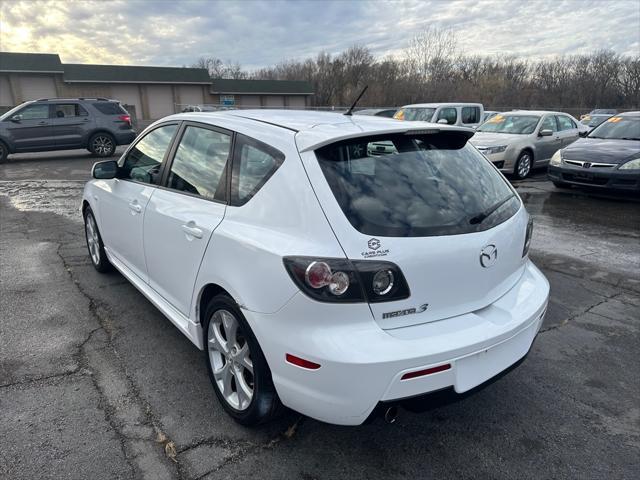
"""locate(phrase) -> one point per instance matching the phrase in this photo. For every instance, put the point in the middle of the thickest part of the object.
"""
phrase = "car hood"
(488, 139)
(602, 150)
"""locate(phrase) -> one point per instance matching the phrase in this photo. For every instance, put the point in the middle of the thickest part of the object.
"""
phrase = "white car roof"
(444, 104)
(313, 129)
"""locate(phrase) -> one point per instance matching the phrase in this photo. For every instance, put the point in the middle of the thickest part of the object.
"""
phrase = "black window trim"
(164, 178)
(163, 163)
(235, 170)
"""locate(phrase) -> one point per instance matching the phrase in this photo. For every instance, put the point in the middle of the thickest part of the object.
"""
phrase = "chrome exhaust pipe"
(391, 414)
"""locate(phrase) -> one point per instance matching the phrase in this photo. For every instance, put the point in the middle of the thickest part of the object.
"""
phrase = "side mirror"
(546, 132)
(16, 118)
(443, 120)
(105, 170)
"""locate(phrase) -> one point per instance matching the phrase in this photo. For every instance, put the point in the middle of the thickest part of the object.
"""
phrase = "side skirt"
(191, 330)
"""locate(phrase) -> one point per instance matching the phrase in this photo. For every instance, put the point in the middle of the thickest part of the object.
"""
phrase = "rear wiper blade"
(481, 217)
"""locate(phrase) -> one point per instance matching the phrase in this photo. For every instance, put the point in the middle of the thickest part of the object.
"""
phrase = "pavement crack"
(567, 320)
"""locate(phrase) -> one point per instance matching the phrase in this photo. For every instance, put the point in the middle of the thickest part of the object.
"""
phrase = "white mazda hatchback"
(314, 271)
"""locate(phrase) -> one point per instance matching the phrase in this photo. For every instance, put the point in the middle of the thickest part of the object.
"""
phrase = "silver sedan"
(518, 141)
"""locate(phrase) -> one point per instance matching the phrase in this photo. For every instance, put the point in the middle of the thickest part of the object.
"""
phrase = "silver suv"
(97, 124)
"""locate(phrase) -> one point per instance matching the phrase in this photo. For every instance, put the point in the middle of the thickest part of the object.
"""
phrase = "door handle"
(191, 230)
(43, 123)
(135, 207)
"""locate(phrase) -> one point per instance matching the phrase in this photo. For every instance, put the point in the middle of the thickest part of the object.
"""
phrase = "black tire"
(265, 404)
(524, 165)
(4, 152)
(561, 185)
(102, 144)
(101, 263)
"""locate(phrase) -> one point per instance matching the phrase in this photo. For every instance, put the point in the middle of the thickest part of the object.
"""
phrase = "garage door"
(160, 100)
(274, 100)
(191, 94)
(37, 87)
(296, 101)
(127, 95)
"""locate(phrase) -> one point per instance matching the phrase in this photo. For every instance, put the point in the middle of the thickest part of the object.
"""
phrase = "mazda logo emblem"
(488, 256)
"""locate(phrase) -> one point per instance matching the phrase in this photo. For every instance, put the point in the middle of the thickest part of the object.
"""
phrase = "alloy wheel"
(230, 360)
(102, 145)
(93, 241)
(524, 165)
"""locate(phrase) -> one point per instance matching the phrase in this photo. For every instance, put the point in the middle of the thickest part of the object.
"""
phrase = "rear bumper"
(612, 178)
(362, 365)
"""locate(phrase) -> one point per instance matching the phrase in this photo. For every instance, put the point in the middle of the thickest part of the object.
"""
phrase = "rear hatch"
(114, 113)
(434, 207)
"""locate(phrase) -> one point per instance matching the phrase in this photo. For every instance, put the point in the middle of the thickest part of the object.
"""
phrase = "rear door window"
(199, 163)
(64, 110)
(254, 163)
(449, 114)
(143, 162)
(565, 123)
(470, 115)
(425, 185)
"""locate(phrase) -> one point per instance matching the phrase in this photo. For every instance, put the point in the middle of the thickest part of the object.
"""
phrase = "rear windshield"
(420, 185)
(516, 124)
(110, 108)
(621, 128)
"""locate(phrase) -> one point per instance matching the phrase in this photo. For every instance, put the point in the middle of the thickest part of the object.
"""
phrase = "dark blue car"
(609, 157)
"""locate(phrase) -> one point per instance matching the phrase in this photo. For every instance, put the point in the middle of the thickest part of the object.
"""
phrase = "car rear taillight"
(342, 280)
(125, 118)
(527, 237)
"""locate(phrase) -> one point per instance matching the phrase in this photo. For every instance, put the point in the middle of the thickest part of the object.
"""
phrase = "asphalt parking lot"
(96, 384)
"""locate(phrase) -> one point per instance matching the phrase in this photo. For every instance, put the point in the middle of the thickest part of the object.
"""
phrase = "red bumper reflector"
(301, 362)
(426, 371)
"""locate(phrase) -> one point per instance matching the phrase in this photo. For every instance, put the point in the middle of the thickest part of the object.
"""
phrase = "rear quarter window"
(254, 163)
(470, 115)
(109, 108)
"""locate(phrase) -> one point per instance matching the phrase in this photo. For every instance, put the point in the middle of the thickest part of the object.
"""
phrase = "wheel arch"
(96, 131)
(206, 294)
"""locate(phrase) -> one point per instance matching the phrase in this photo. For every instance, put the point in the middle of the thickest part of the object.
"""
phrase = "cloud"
(261, 33)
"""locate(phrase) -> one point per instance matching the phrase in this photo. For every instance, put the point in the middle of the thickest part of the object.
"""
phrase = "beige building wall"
(6, 99)
(128, 94)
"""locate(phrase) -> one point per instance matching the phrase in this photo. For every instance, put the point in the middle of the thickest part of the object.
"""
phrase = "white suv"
(313, 274)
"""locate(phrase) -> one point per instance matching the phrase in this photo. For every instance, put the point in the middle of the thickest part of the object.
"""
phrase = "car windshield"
(11, 113)
(618, 128)
(425, 185)
(415, 114)
(517, 124)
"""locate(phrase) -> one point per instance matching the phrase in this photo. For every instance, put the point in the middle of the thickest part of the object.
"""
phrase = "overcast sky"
(261, 33)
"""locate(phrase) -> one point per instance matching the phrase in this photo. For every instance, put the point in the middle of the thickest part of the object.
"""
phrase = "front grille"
(580, 163)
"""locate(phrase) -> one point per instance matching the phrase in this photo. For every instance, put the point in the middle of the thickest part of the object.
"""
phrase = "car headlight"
(556, 160)
(631, 165)
(492, 150)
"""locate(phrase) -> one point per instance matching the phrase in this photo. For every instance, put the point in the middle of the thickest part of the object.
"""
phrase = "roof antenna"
(353, 105)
